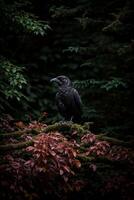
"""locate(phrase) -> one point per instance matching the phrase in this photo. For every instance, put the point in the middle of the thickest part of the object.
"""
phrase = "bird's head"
(61, 81)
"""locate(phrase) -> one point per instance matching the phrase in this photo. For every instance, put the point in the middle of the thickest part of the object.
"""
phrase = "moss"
(115, 141)
(17, 134)
(19, 145)
(61, 127)
(64, 127)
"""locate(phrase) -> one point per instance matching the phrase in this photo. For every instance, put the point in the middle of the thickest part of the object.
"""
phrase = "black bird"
(68, 99)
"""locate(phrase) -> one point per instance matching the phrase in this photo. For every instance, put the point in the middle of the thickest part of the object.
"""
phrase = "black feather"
(68, 99)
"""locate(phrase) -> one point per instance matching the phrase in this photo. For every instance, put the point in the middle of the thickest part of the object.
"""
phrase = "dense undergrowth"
(63, 161)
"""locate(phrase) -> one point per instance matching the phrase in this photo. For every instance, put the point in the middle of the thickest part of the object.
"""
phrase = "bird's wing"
(77, 99)
(60, 105)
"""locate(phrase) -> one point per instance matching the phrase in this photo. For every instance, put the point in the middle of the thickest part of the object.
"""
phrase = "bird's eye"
(62, 79)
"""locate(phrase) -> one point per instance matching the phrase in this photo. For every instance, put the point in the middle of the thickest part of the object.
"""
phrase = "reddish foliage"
(118, 184)
(36, 125)
(100, 148)
(14, 175)
(20, 125)
(88, 138)
(94, 146)
(55, 159)
(79, 184)
(54, 155)
(93, 167)
(118, 153)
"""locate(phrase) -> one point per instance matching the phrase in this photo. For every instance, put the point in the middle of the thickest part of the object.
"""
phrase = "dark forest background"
(91, 42)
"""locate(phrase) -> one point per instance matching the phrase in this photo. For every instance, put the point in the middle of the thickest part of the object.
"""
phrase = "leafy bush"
(29, 23)
(12, 80)
(55, 165)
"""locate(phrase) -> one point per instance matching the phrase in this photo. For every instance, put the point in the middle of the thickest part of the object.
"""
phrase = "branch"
(19, 145)
(65, 125)
(68, 126)
(18, 133)
(115, 141)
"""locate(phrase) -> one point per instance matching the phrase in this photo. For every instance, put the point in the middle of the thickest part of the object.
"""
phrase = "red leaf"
(66, 168)
(65, 178)
(52, 153)
(93, 167)
(30, 148)
(61, 172)
(77, 163)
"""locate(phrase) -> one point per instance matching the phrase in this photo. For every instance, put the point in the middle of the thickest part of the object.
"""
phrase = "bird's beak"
(55, 80)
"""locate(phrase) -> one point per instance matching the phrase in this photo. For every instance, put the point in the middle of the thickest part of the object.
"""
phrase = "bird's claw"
(62, 122)
(65, 122)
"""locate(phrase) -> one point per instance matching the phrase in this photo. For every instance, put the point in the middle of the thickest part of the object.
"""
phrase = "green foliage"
(17, 22)
(31, 24)
(24, 21)
(114, 83)
(102, 84)
(12, 79)
(71, 49)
